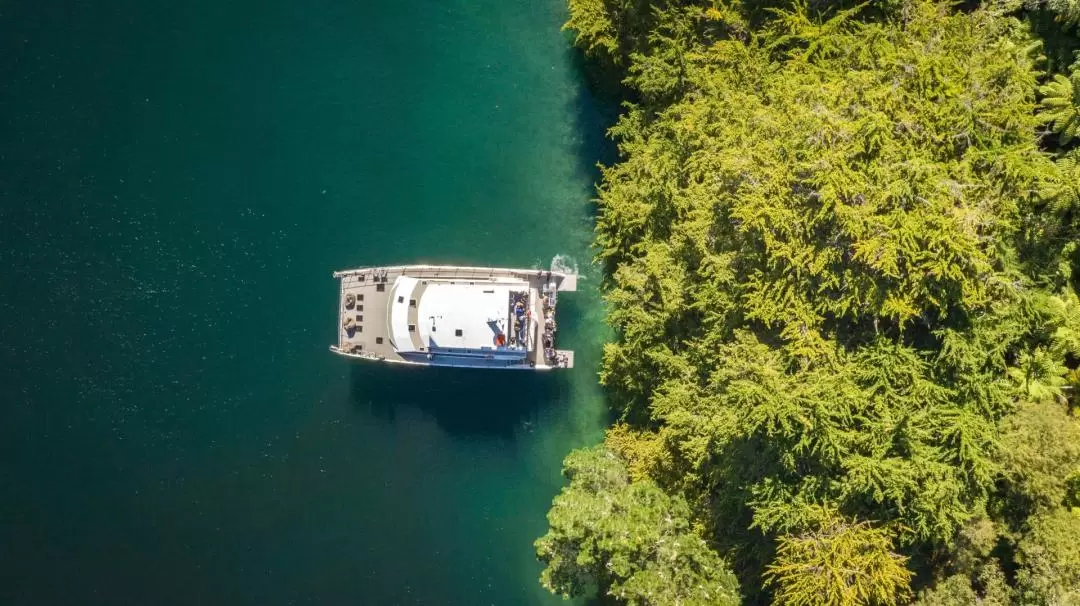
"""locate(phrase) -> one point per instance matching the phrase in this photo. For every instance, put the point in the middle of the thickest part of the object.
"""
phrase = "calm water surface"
(178, 180)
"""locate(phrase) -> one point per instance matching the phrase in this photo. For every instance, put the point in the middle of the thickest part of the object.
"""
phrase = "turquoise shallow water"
(177, 183)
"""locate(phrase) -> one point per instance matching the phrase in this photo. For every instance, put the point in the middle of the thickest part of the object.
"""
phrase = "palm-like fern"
(1060, 106)
(1063, 192)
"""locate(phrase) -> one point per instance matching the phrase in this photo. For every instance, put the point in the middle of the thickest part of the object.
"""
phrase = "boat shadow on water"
(463, 401)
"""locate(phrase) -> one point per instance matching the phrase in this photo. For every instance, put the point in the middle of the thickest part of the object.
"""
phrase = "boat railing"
(440, 270)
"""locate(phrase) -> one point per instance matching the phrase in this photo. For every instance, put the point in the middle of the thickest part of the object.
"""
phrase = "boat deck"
(367, 300)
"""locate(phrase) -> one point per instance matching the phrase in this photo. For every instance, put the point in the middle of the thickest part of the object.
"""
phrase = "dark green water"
(178, 180)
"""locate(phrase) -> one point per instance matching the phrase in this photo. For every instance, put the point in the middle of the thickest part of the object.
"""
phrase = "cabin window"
(400, 299)
(359, 318)
(457, 333)
(412, 302)
(360, 297)
(359, 308)
(412, 327)
(359, 329)
(380, 287)
(378, 340)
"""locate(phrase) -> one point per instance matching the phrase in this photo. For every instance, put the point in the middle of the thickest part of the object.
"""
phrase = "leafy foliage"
(1066, 12)
(1040, 450)
(1049, 555)
(959, 590)
(637, 34)
(838, 564)
(629, 539)
(1061, 105)
(841, 273)
(974, 575)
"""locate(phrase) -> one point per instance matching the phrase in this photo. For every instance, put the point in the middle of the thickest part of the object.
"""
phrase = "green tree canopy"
(838, 563)
(841, 274)
(1040, 452)
(628, 539)
(1049, 557)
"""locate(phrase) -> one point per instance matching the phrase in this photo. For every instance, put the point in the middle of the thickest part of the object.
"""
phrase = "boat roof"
(427, 314)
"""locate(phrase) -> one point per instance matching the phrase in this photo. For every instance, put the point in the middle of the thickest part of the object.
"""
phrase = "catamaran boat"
(440, 315)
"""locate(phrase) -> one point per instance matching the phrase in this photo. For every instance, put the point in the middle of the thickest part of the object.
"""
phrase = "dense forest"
(842, 249)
